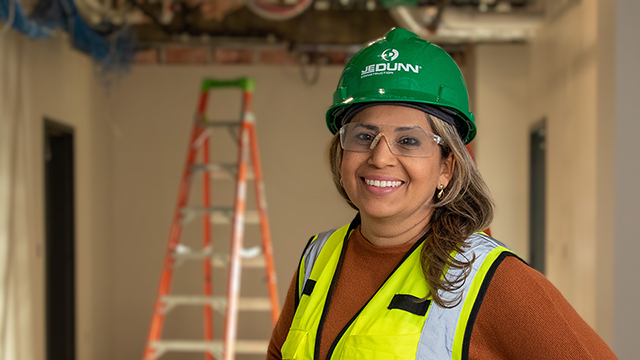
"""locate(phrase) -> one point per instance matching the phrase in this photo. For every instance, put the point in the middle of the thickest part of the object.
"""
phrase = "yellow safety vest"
(392, 324)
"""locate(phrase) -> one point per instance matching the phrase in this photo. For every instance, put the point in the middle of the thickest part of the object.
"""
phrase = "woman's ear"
(446, 169)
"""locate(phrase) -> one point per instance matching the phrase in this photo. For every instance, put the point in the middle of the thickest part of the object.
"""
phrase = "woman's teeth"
(381, 184)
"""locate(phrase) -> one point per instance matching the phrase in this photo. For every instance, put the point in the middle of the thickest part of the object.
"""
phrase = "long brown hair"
(465, 208)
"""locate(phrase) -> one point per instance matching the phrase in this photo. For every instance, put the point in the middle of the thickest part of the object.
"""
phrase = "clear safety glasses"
(402, 140)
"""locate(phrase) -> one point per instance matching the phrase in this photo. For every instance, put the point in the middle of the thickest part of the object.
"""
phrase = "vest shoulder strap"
(308, 259)
(447, 331)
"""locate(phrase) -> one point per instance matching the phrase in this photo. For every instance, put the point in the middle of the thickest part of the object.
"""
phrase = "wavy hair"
(465, 208)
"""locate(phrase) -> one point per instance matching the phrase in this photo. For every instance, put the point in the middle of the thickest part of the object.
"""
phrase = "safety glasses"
(402, 140)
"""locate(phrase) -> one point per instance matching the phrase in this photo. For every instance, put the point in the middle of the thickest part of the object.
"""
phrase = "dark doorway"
(60, 241)
(537, 194)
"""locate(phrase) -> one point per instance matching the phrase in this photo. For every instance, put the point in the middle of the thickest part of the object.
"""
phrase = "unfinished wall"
(60, 85)
(561, 77)
(564, 90)
(502, 145)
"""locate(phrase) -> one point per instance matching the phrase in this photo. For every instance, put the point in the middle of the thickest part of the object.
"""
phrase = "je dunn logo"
(389, 67)
(390, 54)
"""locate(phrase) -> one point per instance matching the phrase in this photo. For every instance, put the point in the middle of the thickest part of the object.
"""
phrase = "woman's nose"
(381, 155)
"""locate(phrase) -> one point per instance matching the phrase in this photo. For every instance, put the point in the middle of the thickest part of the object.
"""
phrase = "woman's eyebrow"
(406, 128)
(368, 126)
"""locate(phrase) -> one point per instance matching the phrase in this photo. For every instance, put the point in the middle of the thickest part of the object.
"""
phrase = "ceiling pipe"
(457, 26)
(433, 24)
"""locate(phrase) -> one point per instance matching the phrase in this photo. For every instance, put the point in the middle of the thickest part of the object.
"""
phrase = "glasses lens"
(402, 140)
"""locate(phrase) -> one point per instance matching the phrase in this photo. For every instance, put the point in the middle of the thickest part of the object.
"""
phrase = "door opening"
(60, 241)
(537, 194)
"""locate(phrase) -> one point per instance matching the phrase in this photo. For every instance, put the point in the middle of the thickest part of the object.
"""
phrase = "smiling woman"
(409, 205)
(413, 276)
(429, 186)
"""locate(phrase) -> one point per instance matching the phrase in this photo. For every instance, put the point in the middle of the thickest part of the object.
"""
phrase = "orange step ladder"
(238, 216)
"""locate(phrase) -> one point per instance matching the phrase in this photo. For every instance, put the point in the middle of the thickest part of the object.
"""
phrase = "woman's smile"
(381, 185)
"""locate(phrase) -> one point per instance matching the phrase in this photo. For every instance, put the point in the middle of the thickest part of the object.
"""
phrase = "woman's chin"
(379, 213)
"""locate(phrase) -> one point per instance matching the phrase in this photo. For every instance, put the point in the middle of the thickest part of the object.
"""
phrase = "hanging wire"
(304, 59)
(309, 77)
(433, 25)
(148, 11)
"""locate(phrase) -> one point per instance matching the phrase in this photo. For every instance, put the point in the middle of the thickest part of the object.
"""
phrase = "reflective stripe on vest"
(391, 325)
(444, 330)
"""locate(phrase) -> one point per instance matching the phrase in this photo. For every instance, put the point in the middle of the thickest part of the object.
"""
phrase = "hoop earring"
(441, 192)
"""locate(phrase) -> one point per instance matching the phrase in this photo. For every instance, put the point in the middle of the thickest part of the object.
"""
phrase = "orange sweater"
(522, 316)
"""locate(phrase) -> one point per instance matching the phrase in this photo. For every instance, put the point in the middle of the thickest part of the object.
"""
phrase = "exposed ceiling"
(332, 22)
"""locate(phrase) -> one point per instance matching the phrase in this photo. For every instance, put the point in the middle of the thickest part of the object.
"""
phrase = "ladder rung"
(220, 215)
(225, 216)
(218, 302)
(214, 347)
(220, 260)
(192, 255)
(221, 171)
(219, 123)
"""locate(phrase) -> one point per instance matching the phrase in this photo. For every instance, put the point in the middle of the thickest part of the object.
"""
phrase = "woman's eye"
(409, 142)
(364, 137)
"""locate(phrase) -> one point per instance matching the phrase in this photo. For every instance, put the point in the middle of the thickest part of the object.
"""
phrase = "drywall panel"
(502, 144)
(60, 85)
(565, 75)
(564, 91)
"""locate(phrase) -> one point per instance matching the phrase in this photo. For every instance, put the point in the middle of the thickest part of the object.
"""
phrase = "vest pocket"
(381, 347)
(293, 347)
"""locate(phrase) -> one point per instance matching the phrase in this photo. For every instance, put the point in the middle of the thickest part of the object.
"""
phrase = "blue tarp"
(21, 22)
(111, 49)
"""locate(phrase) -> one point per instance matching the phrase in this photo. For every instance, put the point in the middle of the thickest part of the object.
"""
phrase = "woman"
(412, 277)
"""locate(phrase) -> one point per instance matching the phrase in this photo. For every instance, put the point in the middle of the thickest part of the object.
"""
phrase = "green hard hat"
(402, 68)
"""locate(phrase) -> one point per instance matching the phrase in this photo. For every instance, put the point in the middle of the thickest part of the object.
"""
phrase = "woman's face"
(387, 186)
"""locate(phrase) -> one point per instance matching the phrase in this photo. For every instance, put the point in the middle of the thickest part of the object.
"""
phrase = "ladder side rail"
(206, 223)
(157, 322)
(265, 230)
(206, 244)
(233, 285)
